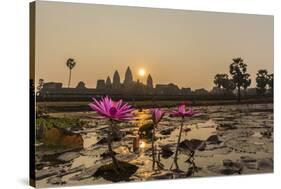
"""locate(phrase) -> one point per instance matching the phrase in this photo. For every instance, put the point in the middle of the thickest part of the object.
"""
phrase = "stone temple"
(128, 88)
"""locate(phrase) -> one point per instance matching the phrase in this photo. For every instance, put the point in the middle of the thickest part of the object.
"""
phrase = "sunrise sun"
(141, 72)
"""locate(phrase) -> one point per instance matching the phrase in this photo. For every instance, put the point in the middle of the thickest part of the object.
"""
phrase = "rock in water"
(68, 156)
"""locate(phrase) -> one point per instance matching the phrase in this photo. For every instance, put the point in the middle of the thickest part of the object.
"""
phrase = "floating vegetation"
(240, 144)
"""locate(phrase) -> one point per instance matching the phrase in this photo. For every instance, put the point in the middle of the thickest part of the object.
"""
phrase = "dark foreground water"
(241, 143)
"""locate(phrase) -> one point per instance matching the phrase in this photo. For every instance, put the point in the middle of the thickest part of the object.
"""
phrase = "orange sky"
(176, 46)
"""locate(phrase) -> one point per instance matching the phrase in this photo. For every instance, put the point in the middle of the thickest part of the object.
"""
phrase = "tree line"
(239, 78)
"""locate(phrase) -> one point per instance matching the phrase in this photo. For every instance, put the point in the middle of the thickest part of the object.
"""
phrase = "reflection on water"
(201, 130)
(142, 144)
(240, 130)
(87, 161)
(141, 117)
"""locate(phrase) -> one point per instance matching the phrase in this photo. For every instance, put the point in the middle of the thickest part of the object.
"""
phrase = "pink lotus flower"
(117, 111)
(157, 115)
(181, 112)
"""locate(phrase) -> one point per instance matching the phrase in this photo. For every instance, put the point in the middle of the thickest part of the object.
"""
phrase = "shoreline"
(62, 106)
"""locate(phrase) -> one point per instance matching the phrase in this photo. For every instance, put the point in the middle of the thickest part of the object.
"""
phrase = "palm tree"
(246, 82)
(40, 86)
(262, 81)
(220, 79)
(238, 70)
(229, 85)
(70, 63)
(270, 82)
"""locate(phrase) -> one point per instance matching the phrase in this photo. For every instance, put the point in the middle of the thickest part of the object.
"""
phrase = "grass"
(55, 133)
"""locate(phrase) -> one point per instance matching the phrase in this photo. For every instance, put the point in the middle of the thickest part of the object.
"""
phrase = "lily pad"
(166, 151)
(68, 156)
(85, 173)
(108, 173)
(56, 181)
(228, 167)
(192, 145)
(213, 139)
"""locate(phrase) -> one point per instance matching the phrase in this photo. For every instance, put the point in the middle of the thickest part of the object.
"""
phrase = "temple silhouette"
(128, 89)
(113, 87)
(129, 86)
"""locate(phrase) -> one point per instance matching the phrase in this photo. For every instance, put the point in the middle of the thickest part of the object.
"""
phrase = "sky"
(187, 48)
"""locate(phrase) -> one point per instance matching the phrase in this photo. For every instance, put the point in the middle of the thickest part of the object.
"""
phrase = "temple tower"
(128, 77)
(108, 82)
(81, 85)
(116, 81)
(149, 82)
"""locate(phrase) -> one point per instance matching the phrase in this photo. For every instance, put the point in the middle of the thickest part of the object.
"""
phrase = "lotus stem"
(111, 153)
(153, 147)
(177, 149)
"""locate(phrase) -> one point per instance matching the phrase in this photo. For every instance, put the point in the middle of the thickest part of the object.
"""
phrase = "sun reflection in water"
(142, 144)
(142, 117)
